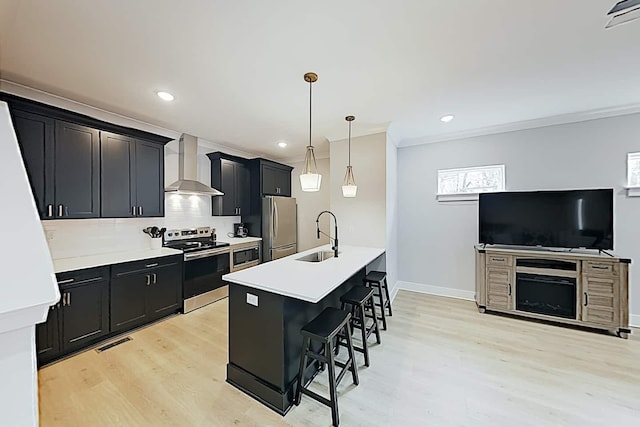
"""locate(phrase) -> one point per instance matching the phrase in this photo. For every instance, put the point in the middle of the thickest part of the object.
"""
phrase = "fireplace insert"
(550, 295)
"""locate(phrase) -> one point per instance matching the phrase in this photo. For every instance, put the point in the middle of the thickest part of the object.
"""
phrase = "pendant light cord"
(310, 86)
(349, 143)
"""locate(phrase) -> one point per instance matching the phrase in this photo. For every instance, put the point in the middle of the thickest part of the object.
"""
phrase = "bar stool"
(328, 326)
(378, 281)
(359, 298)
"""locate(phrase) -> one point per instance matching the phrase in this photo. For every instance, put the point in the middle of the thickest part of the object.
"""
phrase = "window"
(633, 170)
(633, 174)
(466, 183)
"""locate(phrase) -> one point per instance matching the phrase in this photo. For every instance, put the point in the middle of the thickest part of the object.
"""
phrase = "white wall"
(392, 215)
(361, 220)
(436, 239)
(310, 204)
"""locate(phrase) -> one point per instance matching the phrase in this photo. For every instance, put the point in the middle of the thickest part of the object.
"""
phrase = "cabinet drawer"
(143, 265)
(596, 267)
(86, 275)
(501, 260)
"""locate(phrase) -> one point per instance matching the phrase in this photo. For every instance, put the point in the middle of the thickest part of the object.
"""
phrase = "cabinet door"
(85, 312)
(243, 189)
(164, 294)
(35, 136)
(499, 288)
(128, 300)
(228, 187)
(283, 182)
(48, 336)
(77, 171)
(600, 295)
(269, 180)
(149, 182)
(118, 190)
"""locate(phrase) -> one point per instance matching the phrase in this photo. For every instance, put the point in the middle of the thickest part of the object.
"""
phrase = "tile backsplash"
(80, 237)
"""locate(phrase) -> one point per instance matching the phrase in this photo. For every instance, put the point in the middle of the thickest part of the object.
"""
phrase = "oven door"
(203, 272)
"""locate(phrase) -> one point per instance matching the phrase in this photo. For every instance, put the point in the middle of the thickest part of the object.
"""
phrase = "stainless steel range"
(205, 262)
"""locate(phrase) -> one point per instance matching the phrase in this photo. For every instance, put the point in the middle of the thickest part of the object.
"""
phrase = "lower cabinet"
(142, 291)
(80, 318)
(97, 303)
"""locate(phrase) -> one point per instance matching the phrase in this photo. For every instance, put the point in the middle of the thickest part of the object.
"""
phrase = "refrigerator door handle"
(275, 218)
(273, 221)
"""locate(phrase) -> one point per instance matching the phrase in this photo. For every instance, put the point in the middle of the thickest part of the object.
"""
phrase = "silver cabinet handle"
(62, 282)
(68, 299)
(239, 211)
(155, 264)
(155, 278)
(133, 211)
(148, 280)
(139, 210)
(60, 207)
(49, 211)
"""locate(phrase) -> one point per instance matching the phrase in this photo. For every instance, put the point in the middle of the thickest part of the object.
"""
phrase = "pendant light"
(349, 187)
(310, 179)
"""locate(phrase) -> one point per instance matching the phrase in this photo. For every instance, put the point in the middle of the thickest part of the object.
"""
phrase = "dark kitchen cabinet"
(80, 318)
(146, 290)
(48, 336)
(232, 176)
(85, 312)
(77, 171)
(36, 136)
(132, 177)
(276, 179)
(67, 163)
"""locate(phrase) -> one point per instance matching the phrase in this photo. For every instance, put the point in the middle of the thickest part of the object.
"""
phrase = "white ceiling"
(236, 67)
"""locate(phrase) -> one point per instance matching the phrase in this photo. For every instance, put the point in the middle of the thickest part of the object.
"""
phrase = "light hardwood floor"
(441, 363)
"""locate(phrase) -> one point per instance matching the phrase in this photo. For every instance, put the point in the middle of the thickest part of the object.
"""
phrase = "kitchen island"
(270, 303)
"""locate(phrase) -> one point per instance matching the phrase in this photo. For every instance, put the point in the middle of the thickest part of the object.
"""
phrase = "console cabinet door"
(499, 288)
(600, 299)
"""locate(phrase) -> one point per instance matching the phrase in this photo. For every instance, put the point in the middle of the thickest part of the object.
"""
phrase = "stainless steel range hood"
(187, 182)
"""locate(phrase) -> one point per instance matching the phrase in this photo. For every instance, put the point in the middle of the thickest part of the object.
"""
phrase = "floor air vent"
(113, 344)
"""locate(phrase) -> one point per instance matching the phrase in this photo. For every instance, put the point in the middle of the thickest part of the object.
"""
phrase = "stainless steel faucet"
(334, 248)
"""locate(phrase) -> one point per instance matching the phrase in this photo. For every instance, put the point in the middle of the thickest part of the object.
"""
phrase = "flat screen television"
(557, 219)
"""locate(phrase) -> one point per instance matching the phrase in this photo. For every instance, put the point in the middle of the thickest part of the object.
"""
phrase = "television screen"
(561, 219)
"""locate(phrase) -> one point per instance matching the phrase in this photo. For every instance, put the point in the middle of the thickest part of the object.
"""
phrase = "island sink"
(317, 256)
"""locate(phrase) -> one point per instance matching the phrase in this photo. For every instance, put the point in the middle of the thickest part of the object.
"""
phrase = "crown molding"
(562, 119)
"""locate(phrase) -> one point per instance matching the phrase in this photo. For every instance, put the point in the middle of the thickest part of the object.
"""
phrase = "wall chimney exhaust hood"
(624, 11)
(187, 182)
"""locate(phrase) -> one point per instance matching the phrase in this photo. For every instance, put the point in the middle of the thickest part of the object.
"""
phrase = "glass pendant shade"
(310, 179)
(349, 187)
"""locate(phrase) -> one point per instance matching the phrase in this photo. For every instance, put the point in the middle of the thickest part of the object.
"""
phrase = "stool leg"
(303, 359)
(381, 296)
(375, 319)
(386, 291)
(363, 328)
(352, 356)
(333, 392)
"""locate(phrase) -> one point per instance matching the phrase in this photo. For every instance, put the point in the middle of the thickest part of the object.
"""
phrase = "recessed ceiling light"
(165, 96)
(282, 144)
(447, 118)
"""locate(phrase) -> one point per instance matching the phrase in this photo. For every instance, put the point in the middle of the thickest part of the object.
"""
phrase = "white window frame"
(471, 195)
(633, 190)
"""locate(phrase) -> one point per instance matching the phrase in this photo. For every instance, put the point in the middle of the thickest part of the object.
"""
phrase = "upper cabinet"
(132, 177)
(232, 176)
(80, 167)
(276, 179)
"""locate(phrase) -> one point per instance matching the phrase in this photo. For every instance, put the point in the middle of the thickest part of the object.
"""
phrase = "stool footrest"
(316, 396)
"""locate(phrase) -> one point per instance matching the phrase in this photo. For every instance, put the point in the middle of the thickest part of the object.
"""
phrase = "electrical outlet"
(252, 299)
(49, 235)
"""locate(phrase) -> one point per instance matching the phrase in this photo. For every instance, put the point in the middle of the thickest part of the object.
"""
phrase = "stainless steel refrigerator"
(279, 227)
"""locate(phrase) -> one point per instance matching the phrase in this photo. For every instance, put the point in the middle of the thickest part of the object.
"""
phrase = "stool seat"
(326, 324)
(375, 276)
(357, 295)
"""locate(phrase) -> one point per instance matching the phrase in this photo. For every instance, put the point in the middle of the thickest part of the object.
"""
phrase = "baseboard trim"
(436, 290)
(394, 291)
(634, 320)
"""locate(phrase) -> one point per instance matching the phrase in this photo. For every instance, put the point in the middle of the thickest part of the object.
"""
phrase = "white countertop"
(238, 240)
(78, 263)
(308, 281)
